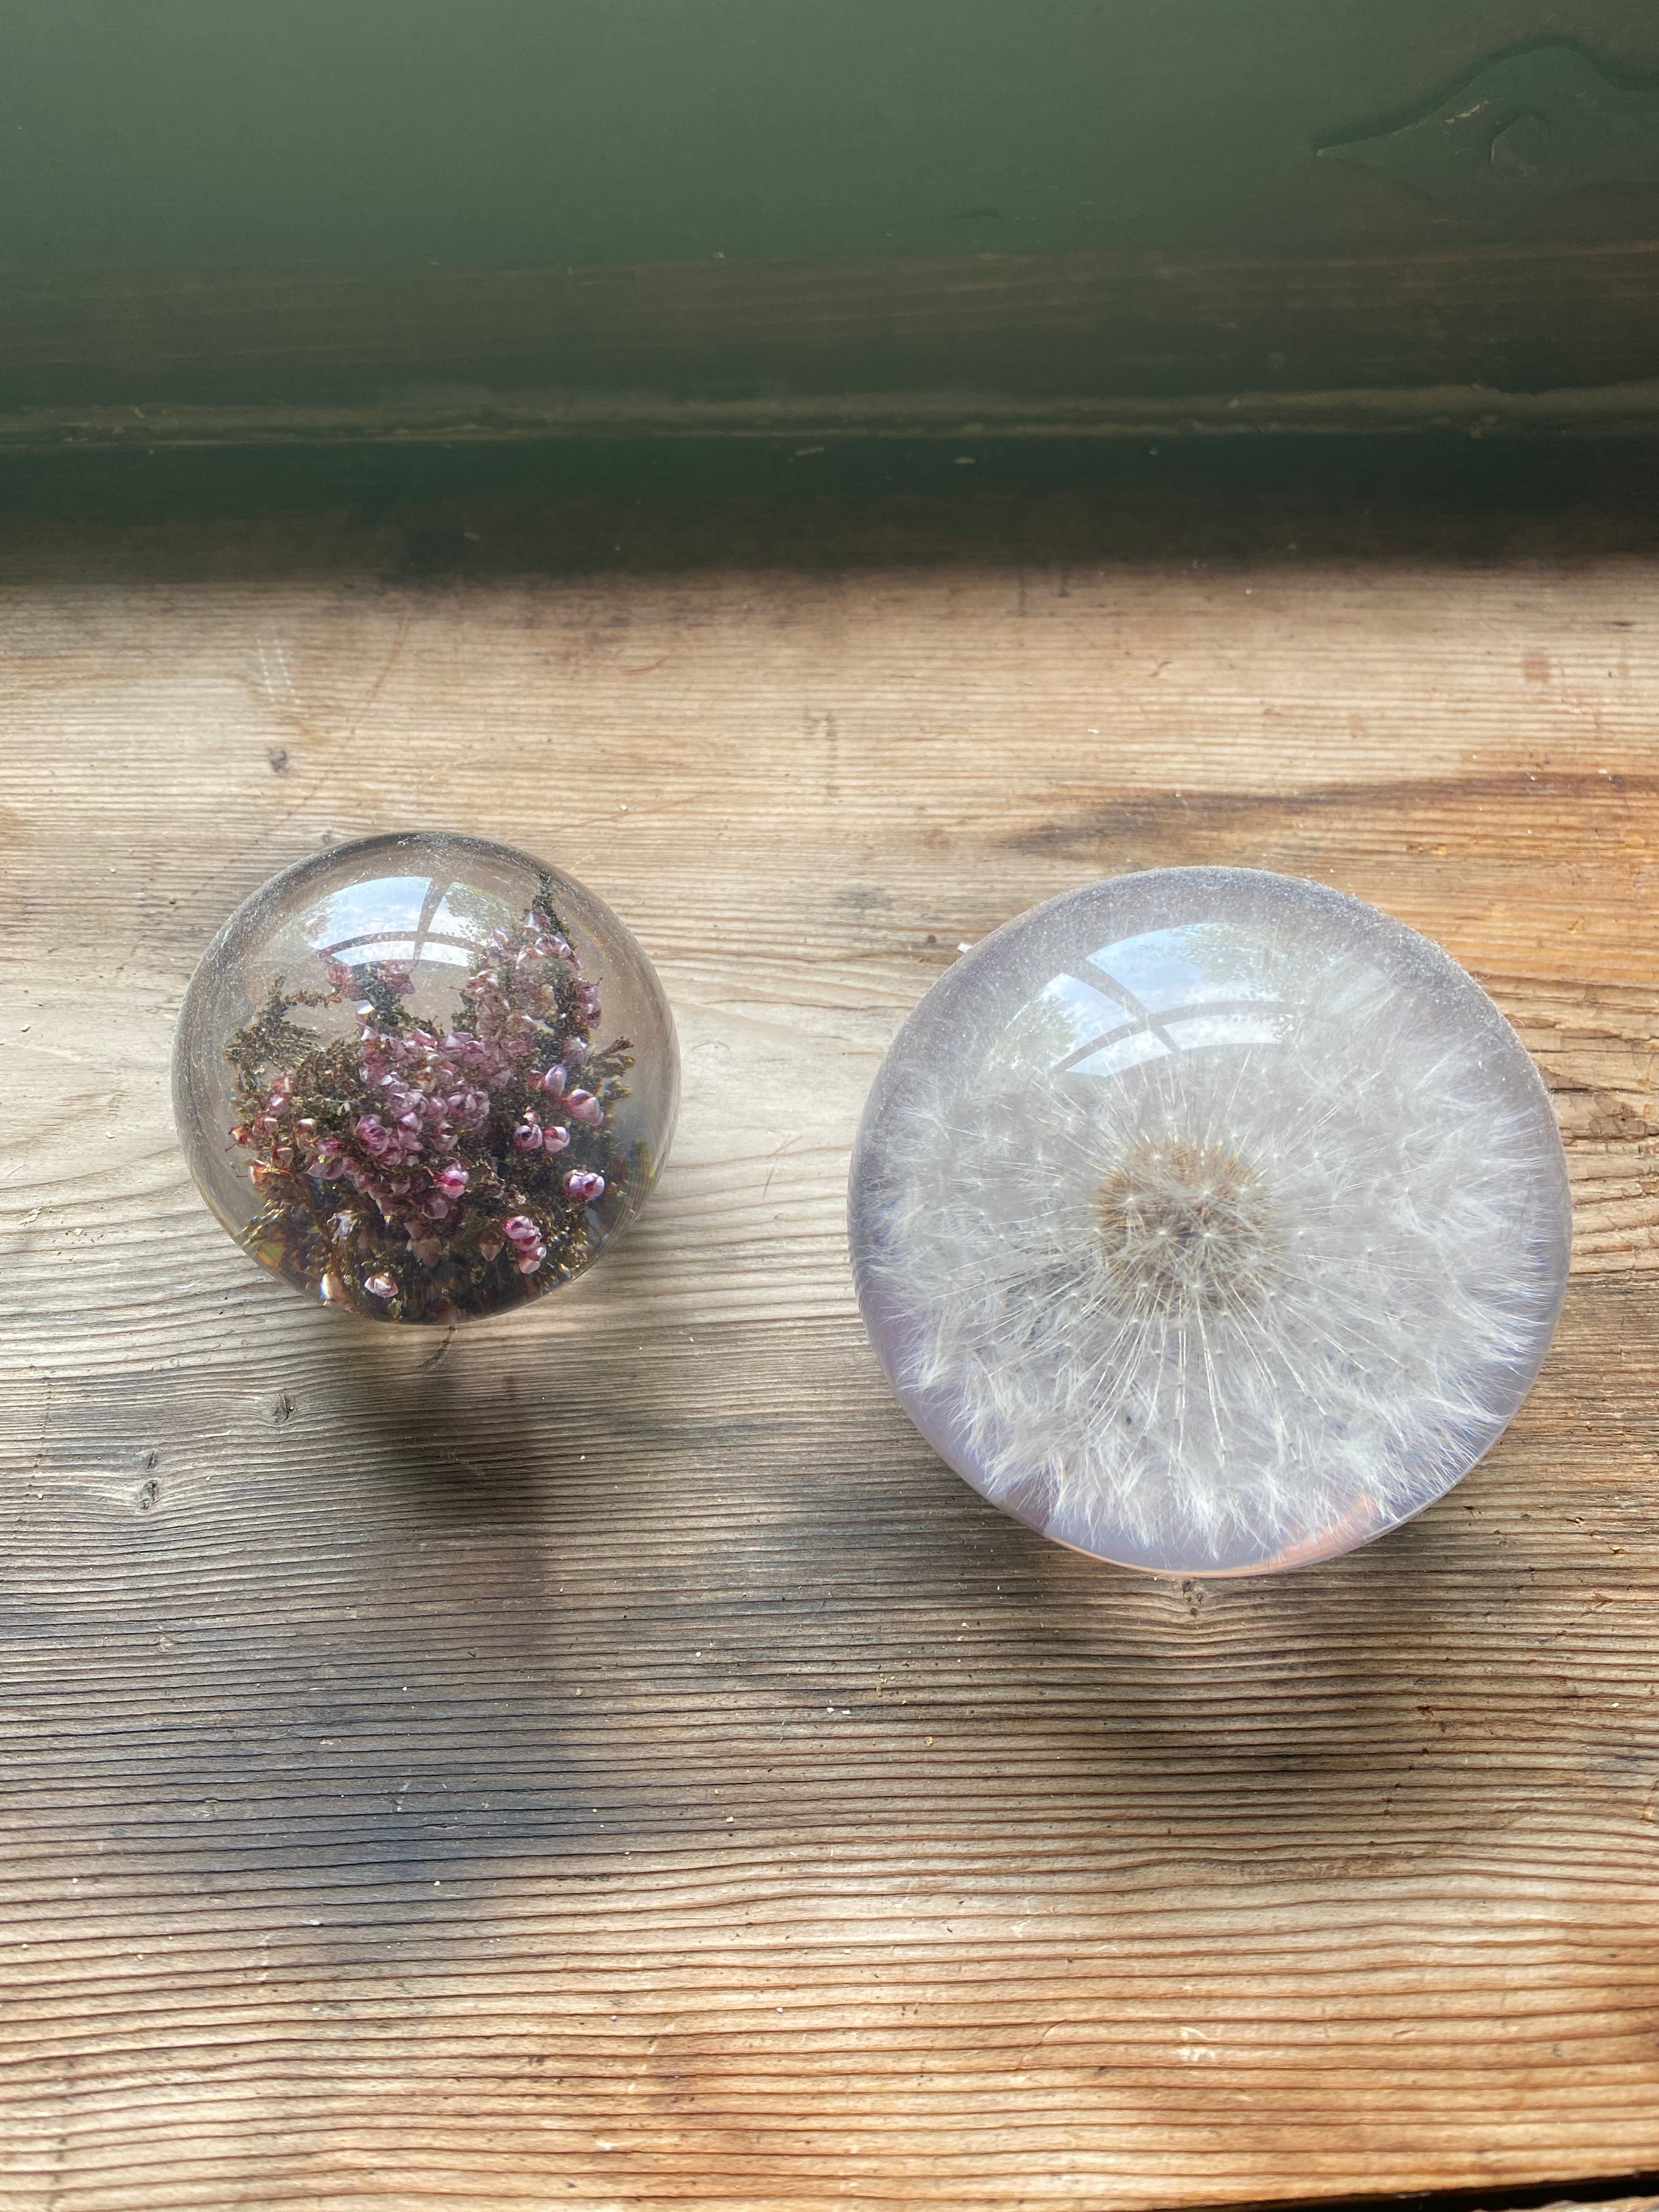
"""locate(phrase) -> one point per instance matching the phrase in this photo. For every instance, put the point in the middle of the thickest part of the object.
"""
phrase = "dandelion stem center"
(1186, 1229)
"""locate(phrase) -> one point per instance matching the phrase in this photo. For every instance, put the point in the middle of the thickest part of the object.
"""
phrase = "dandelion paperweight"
(424, 1077)
(1209, 1221)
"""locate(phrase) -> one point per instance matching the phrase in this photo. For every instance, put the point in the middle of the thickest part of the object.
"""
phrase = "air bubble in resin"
(1209, 1221)
(424, 1077)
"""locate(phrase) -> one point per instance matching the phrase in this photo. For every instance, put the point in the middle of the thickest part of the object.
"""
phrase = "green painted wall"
(173, 134)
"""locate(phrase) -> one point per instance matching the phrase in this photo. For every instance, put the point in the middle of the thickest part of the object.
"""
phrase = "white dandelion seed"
(1209, 1220)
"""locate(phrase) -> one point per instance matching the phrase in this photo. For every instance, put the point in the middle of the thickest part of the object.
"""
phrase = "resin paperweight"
(1209, 1221)
(424, 1077)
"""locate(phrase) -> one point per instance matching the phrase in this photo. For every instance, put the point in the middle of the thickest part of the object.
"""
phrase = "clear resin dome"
(424, 1077)
(1209, 1221)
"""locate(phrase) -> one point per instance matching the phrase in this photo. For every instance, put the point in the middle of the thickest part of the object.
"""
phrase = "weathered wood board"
(603, 1758)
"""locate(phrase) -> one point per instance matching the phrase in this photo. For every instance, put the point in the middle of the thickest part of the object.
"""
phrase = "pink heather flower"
(520, 1229)
(380, 1286)
(436, 1206)
(575, 1052)
(373, 1134)
(553, 1082)
(428, 1250)
(397, 978)
(451, 1181)
(530, 1262)
(585, 1187)
(556, 1138)
(528, 1134)
(489, 1246)
(584, 1107)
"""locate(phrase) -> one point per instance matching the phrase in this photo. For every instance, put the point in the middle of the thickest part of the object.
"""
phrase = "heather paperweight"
(1209, 1221)
(424, 1077)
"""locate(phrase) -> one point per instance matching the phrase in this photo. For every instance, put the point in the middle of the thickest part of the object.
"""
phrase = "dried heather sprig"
(465, 1187)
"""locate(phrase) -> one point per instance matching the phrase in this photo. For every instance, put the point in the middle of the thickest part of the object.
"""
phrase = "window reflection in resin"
(423, 1076)
(1209, 1220)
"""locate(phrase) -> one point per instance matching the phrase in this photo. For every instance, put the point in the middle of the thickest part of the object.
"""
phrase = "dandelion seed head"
(1185, 1226)
(1209, 1220)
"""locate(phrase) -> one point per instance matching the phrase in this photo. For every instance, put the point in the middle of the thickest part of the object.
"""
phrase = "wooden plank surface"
(604, 1759)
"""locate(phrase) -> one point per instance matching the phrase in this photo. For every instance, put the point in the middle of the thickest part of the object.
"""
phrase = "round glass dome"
(1209, 1221)
(424, 1077)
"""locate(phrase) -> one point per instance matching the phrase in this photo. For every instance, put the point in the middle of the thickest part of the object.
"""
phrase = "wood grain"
(604, 1759)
